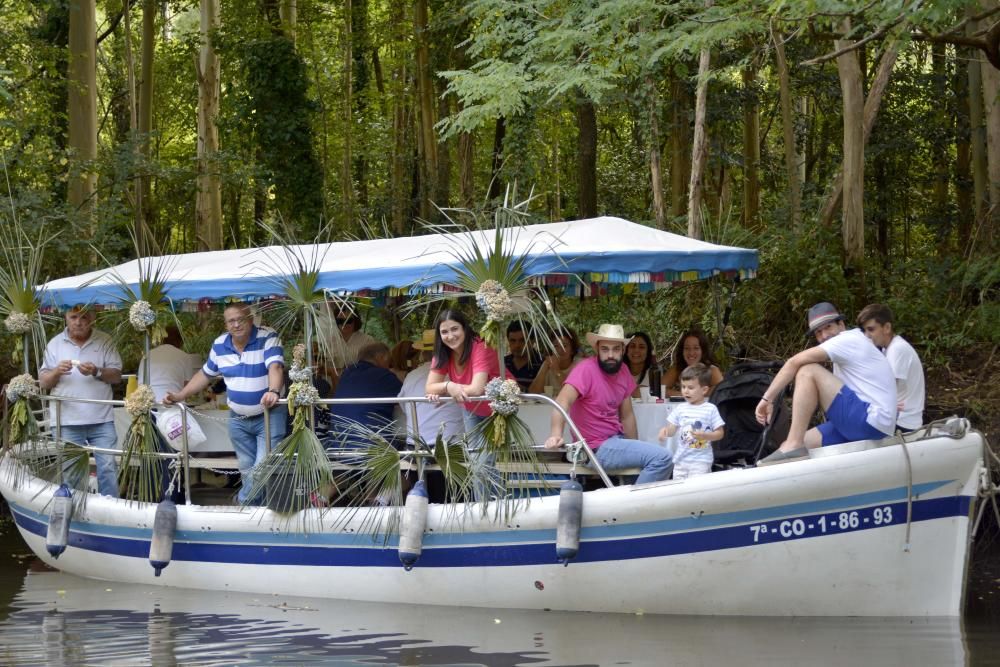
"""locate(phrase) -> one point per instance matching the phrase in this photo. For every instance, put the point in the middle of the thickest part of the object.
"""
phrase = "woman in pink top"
(461, 367)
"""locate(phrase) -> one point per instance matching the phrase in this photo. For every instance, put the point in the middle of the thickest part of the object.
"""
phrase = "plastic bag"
(171, 427)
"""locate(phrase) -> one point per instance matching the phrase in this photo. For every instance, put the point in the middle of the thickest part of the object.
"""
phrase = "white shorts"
(686, 469)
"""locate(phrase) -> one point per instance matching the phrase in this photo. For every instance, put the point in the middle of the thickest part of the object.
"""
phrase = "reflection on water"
(57, 619)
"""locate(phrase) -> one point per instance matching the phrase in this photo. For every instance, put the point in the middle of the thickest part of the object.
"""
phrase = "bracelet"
(765, 399)
(446, 383)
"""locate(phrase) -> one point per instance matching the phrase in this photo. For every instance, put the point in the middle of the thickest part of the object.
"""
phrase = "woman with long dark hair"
(642, 362)
(692, 348)
(461, 367)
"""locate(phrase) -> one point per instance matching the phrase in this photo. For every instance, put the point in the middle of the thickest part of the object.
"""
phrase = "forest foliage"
(363, 115)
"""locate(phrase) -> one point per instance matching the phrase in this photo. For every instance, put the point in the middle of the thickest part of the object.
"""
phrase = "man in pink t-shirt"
(597, 396)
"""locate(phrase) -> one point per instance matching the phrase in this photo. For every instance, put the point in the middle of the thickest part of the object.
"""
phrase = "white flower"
(494, 300)
(303, 394)
(141, 315)
(18, 323)
(504, 395)
(140, 401)
(21, 386)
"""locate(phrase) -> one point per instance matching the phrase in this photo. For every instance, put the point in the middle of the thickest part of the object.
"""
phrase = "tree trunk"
(208, 208)
(82, 103)
(499, 133)
(965, 210)
(680, 148)
(853, 230)
(977, 139)
(586, 155)
(655, 166)
(991, 109)
(360, 75)
(699, 149)
(442, 191)
(289, 13)
(940, 217)
(346, 164)
(871, 106)
(788, 132)
(751, 149)
(144, 191)
(425, 92)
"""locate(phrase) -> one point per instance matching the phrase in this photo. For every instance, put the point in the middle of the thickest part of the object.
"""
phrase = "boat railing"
(577, 450)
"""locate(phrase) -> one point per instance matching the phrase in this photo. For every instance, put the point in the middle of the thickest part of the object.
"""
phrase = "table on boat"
(649, 417)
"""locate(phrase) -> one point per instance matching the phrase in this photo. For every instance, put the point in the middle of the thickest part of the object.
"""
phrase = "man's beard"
(610, 366)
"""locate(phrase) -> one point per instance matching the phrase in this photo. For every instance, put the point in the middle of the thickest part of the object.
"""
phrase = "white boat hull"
(828, 536)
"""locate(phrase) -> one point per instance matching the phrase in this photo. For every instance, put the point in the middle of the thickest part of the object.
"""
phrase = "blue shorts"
(846, 420)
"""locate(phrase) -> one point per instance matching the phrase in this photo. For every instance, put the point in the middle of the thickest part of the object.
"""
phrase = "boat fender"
(60, 517)
(411, 533)
(568, 524)
(161, 547)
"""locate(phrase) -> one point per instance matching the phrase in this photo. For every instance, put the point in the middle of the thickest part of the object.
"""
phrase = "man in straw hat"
(858, 397)
(430, 418)
(596, 395)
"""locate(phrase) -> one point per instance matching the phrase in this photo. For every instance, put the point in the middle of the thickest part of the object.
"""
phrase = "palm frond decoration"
(56, 462)
(494, 273)
(305, 307)
(147, 301)
(294, 471)
(141, 472)
(20, 297)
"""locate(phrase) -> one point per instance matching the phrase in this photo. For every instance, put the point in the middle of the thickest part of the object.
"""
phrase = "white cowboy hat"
(610, 332)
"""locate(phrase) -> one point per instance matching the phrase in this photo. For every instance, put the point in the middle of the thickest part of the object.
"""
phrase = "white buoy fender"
(411, 533)
(568, 524)
(60, 517)
(161, 547)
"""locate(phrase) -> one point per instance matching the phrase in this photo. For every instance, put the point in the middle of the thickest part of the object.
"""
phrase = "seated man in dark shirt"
(370, 377)
(522, 362)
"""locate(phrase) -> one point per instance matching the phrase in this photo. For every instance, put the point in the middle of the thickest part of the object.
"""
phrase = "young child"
(698, 421)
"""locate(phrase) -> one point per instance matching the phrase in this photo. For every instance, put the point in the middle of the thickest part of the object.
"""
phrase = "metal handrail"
(184, 454)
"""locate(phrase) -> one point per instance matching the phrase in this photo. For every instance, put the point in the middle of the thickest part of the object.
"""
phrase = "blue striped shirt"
(246, 373)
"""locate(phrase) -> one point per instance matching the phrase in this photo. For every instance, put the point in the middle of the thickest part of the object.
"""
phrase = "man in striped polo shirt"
(250, 359)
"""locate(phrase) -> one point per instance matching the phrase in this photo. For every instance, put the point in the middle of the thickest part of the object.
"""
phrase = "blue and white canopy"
(602, 251)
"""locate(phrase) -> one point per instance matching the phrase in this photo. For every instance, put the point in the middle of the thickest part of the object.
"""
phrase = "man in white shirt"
(170, 367)
(858, 397)
(345, 342)
(81, 362)
(876, 321)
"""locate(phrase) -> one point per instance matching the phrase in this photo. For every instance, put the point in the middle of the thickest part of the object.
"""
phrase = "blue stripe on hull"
(791, 527)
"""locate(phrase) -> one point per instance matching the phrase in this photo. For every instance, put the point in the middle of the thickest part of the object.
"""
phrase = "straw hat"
(426, 341)
(610, 332)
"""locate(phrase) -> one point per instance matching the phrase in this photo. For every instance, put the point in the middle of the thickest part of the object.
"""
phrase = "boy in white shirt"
(698, 422)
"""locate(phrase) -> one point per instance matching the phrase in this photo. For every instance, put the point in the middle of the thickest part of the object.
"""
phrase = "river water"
(48, 618)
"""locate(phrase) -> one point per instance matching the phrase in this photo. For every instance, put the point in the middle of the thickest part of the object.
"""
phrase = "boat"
(873, 528)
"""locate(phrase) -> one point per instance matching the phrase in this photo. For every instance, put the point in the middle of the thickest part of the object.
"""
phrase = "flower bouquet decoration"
(20, 426)
(297, 469)
(20, 296)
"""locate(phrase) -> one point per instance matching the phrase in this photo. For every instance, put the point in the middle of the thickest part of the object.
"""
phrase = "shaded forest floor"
(968, 385)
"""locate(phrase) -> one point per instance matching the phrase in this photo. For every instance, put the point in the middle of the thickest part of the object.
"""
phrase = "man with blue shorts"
(858, 397)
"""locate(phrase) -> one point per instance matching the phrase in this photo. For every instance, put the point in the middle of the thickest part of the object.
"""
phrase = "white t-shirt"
(909, 374)
(687, 417)
(430, 416)
(169, 369)
(862, 367)
(99, 350)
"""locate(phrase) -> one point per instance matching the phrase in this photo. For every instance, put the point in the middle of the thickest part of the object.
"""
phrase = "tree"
(208, 220)
(82, 102)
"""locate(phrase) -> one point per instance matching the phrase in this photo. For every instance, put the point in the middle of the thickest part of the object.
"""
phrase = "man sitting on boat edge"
(597, 395)
(858, 397)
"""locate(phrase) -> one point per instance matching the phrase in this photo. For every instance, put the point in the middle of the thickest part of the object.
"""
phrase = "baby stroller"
(737, 397)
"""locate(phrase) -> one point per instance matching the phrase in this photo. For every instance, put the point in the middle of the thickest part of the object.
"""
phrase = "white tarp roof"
(621, 250)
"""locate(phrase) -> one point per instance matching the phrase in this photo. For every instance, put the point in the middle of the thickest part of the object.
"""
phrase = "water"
(48, 618)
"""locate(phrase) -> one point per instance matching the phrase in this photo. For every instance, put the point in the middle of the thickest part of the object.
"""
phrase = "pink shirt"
(482, 359)
(596, 411)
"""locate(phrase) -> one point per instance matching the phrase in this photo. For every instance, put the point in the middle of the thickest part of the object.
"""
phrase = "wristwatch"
(98, 373)
(273, 391)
